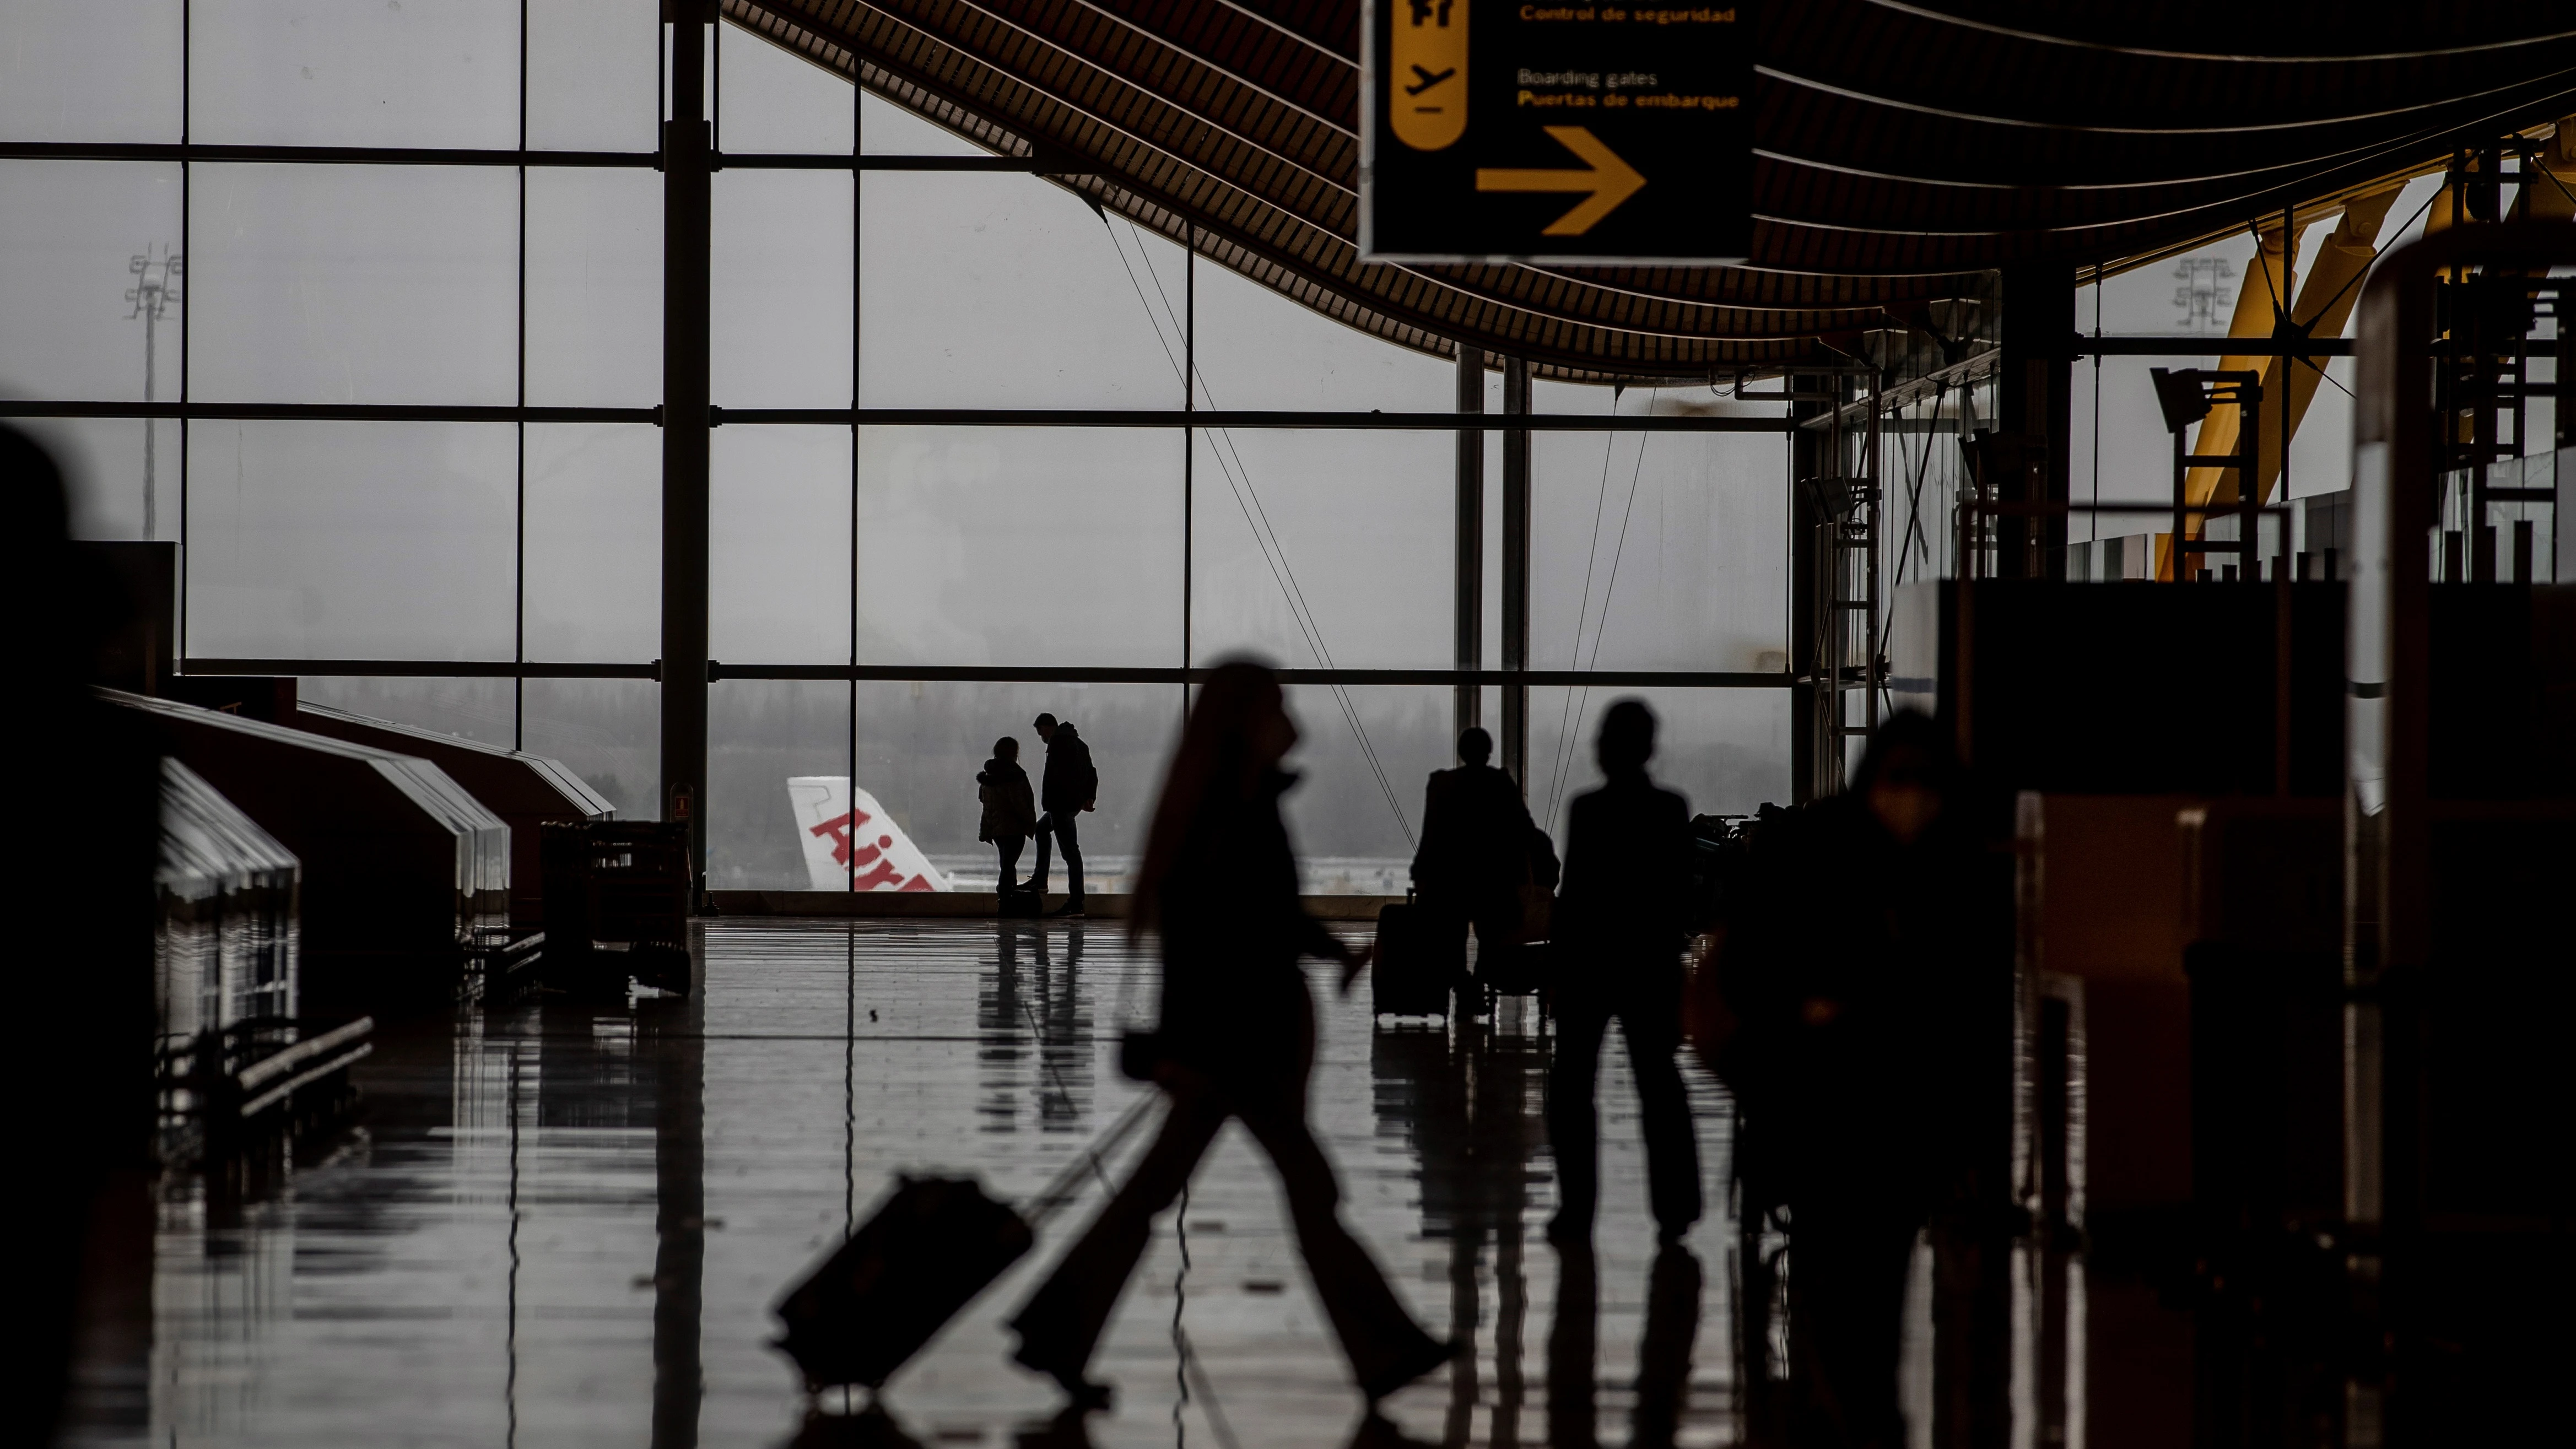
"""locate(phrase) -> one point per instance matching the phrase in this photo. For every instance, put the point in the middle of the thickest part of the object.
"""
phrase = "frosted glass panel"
(594, 542)
(608, 731)
(1258, 349)
(778, 545)
(1350, 531)
(90, 70)
(594, 288)
(336, 73)
(364, 284)
(886, 129)
(594, 74)
(761, 732)
(775, 100)
(781, 326)
(1657, 550)
(1005, 291)
(77, 317)
(1351, 837)
(106, 463)
(350, 540)
(1019, 546)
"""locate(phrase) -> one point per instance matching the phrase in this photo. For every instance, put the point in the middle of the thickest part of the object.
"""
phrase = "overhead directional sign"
(1501, 131)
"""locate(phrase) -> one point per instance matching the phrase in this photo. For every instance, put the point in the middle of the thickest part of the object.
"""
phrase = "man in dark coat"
(1622, 918)
(1071, 787)
(1475, 850)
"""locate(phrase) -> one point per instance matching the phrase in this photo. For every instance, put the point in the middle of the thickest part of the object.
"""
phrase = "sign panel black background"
(1650, 82)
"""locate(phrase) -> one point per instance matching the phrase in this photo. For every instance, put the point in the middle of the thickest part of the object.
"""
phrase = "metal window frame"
(718, 672)
(1248, 419)
(185, 152)
(705, 105)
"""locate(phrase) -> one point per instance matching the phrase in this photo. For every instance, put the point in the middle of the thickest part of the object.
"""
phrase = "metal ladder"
(1846, 577)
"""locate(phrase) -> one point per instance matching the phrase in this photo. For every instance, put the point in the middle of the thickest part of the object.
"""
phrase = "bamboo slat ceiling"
(1902, 150)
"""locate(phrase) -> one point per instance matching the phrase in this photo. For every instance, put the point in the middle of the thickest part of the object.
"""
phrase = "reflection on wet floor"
(566, 1223)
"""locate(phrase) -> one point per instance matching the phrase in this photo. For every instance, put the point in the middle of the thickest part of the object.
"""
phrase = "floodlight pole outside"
(150, 299)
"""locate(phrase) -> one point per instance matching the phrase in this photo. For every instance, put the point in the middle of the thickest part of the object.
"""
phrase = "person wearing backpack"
(1476, 856)
(1071, 787)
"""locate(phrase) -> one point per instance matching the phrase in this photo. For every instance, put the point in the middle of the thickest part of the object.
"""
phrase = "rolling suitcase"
(1415, 968)
(1021, 903)
(923, 1255)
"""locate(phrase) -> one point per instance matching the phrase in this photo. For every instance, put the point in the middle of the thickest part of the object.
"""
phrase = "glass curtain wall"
(352, 256)
(388, 364)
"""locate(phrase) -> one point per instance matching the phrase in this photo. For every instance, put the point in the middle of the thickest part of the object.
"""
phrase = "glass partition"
(1023, 547)
(365, 303)
(353, 284)
(328, 540)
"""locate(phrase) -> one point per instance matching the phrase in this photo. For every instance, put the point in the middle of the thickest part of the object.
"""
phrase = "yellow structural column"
(2327, 293)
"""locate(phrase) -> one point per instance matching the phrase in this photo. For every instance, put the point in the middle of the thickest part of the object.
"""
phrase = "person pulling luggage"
(1476, 855)
(1236, 1040)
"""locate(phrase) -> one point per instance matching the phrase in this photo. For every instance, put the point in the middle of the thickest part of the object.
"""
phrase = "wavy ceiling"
(1903, 151)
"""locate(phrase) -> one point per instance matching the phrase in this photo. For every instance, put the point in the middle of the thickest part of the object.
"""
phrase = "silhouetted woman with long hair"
(1237, 1039)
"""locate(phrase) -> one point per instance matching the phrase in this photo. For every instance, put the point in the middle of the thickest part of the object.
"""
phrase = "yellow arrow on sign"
(1609, 179)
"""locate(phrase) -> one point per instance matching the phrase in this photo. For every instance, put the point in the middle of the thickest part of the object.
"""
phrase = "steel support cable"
(2318, 368)
(1913, 537)
(1913, 463)
(1273, 552)
(1582, 608)
(1601, 624)
(2282, 316)
(1232, 483)
(2285, 318)
(1312, 628)
(1314, 631)
(1920, 466)
(1960, 482)
(1914, 491)
(1282, 570)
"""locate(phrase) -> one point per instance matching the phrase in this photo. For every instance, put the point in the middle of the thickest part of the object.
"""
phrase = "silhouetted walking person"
(1071, 787)
(1010, 808)
(1622, 917)
(1476, 849)
(1237, 1039)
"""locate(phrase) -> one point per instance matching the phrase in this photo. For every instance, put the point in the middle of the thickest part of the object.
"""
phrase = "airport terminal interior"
(1812, 724)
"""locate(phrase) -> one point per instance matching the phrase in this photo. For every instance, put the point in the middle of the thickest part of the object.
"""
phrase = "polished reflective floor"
(566, 1223)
